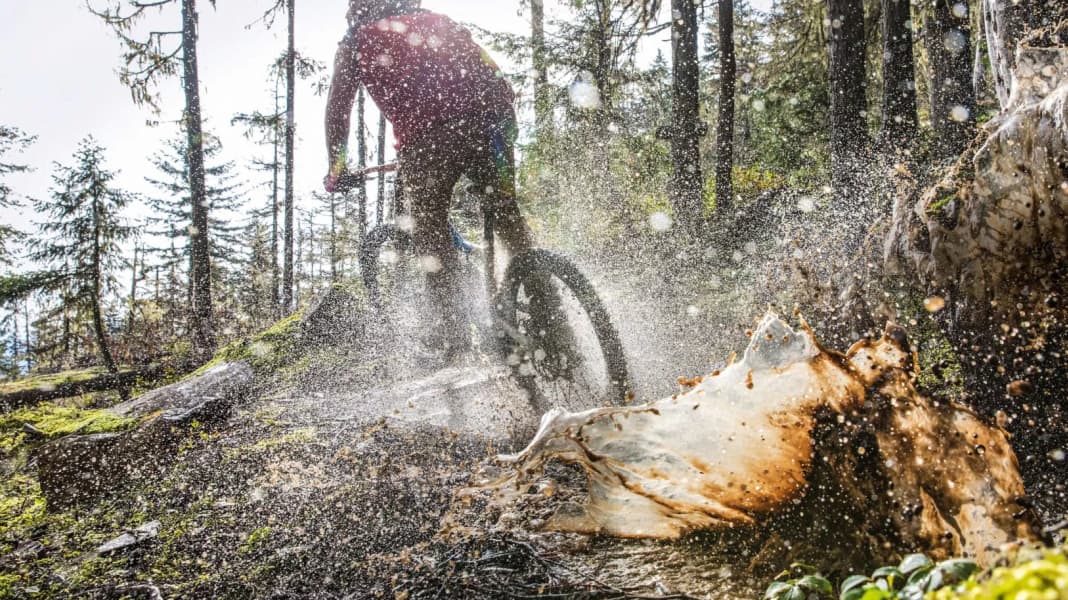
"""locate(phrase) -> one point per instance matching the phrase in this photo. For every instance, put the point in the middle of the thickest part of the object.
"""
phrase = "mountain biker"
(452, 114)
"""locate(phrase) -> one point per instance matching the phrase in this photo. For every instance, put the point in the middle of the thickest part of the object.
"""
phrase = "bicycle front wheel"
(557, 335)
(384, 257)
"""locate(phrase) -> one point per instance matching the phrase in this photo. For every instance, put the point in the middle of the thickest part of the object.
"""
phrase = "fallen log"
(81, 468)
(103, 383)
(798, 437)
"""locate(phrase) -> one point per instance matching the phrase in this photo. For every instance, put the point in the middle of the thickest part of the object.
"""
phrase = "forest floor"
(344, 480)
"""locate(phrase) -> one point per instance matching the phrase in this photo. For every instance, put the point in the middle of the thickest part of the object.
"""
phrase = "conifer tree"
(171, 217)
(85, 233)
(147, 61)
(11, 140)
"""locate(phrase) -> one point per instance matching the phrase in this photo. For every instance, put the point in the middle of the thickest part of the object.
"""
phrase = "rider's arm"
(339, 102)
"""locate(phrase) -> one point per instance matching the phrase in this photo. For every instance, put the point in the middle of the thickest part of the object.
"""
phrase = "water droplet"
(955, 41)
(934, 304)
(758, 105)
(693, 311)
(430, 263)
(583, 92)
(660, 221)
(960, 10)
(959, 113)
(806, 205)
(1057, 455)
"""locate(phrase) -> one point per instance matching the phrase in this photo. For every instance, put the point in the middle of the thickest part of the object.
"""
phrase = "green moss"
(255, 539)
(940, 365)
(265, 351)
(51, 381)
(54, 421)
(22, 508)
(941, 203)
(300, 436)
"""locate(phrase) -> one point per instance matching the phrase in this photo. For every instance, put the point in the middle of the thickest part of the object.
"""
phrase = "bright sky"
(58, 81)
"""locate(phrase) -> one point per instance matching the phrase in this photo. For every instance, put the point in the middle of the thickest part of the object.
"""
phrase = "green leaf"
(959, 568)
(914, 561)
(921, 574)
(815, 583)
(893, 575)
(911, 592)
(853, 594)
(853, 581)
(874, 593)
(776, 590)
(795, 593)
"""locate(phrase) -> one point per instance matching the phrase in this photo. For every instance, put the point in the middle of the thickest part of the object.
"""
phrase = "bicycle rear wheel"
(384, 257)
(557, 334)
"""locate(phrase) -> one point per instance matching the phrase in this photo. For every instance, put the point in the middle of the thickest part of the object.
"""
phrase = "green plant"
(805, 584)
(912, 579)
(1042, 574)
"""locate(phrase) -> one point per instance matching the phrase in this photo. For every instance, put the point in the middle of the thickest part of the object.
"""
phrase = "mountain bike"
(547, 321)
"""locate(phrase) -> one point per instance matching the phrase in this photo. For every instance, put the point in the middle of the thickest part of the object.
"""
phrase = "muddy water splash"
(737, 447)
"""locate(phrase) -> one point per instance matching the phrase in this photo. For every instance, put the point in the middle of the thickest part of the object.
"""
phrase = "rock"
(337, 316)
(81, 468)
(130, 538)
(207, 394)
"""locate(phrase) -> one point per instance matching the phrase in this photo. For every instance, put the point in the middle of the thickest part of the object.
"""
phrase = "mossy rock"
(339, 316)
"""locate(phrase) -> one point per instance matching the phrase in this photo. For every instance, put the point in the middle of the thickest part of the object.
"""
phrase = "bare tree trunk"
(948, 40)
(381, 203)
(361, 157)
(26, 330)
(543, 109)
(849, 129)
(287, 269)
(133, 295)
(97, 293)
(276, 282)
(203, 316)
(687, 182)
(333, 240)
(725, 123)
(899, 76)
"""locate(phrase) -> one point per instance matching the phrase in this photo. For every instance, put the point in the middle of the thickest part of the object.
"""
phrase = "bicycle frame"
(352, 179)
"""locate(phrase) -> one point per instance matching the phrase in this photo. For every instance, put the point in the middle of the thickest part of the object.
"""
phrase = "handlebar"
(353, 179)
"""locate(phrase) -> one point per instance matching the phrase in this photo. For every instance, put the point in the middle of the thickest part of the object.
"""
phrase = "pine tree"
(85, 234)
(11, 140)
(849, 128)
(687, 183)
(947, 36)
(146, 62)
(171, 217)
(254, 281)
(267, 128)
(899, 75)
(725, 123)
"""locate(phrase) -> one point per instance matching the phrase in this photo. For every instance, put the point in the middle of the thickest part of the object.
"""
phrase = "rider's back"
(423, 69)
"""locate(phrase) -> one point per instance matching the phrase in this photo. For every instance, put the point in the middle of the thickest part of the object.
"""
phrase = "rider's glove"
(330, 183)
